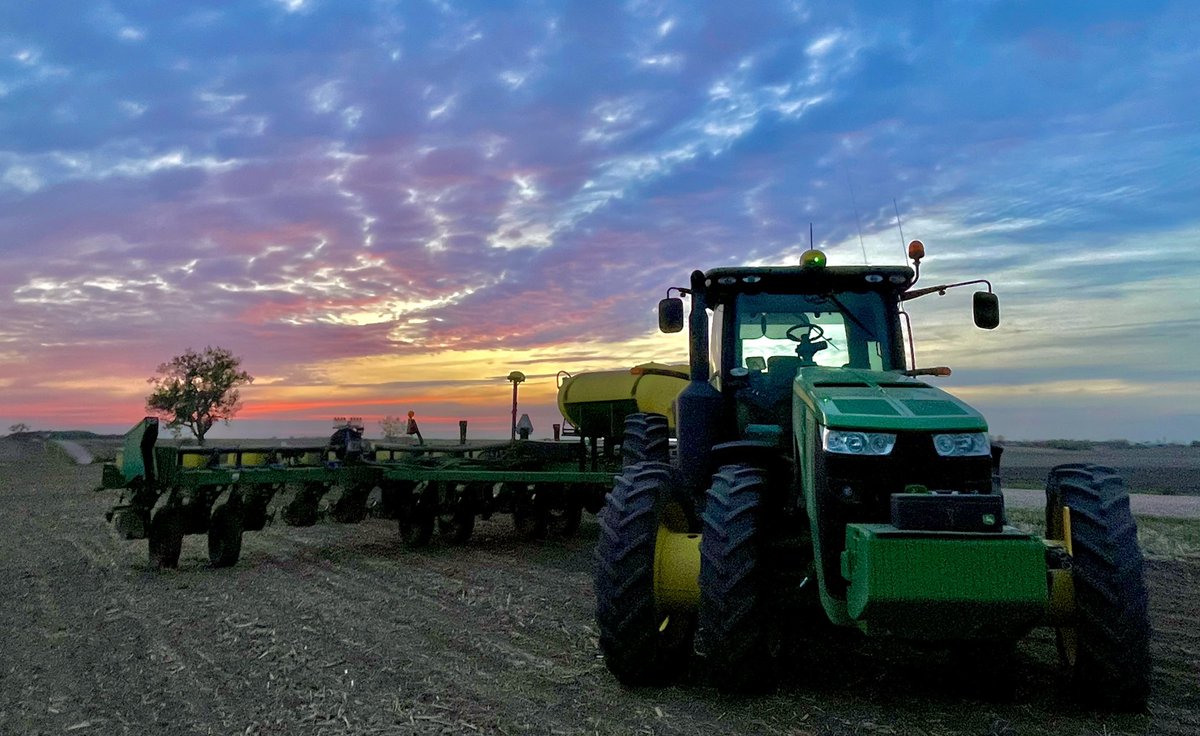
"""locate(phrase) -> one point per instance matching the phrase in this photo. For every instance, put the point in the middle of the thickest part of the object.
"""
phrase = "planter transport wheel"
(225, 529)
(456, 521)
(165, 533)
(416, 515)
(529, 515)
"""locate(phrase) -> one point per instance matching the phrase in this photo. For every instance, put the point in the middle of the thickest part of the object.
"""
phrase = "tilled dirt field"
(338, 630)
(1171, 470)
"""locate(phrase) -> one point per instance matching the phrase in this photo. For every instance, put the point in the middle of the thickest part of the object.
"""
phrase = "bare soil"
(337, 629)
(1142, 504)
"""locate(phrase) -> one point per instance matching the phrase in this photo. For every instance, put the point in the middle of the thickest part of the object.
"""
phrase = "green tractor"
(816, 478)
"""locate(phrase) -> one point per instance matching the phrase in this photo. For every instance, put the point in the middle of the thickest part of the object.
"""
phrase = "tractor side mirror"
(986, 310)
(670, 314)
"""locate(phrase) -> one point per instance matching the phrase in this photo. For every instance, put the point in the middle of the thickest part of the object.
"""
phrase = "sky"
(388, 206)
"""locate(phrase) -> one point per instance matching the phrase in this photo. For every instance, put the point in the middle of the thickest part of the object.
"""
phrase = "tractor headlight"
(848, 442)
(962, 445)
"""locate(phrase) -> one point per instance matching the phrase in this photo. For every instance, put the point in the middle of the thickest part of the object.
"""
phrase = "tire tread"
(1112, 667)
(634, 648)
(734, 619)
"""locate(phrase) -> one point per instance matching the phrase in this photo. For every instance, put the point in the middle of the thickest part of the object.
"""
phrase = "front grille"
(858, 489)
(913, 461)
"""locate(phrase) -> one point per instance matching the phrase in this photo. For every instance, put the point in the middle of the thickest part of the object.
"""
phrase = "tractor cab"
(753, 329)
(768, 324)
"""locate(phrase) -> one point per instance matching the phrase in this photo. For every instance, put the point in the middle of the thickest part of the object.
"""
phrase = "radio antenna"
(857, 219)
(811, 246)
(900, 227)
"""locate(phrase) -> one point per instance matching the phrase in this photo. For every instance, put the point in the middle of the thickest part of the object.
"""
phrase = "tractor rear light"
(846, 442)
(962, 445)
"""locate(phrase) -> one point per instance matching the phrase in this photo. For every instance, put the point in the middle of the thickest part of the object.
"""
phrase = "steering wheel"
(812, 332)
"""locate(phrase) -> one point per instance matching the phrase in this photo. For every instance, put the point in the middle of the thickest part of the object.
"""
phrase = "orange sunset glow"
(395, 215)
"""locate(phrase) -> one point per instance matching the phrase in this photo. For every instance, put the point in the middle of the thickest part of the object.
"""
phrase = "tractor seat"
(781, 371)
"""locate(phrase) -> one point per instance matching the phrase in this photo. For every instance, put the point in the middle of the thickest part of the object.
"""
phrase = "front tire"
(638, 637)
(734, 622)
(1108, 648)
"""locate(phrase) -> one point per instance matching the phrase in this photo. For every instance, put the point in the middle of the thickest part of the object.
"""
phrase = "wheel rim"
(1058, 526)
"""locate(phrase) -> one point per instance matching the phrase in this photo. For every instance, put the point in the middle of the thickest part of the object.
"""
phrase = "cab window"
(790, 330)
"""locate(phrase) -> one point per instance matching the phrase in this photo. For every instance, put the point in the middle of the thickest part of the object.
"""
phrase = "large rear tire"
(639, 639)
(1108, 648)
(735, 631)
(646, 439)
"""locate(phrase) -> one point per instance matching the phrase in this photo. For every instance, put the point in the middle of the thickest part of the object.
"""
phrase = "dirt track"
(337, 630)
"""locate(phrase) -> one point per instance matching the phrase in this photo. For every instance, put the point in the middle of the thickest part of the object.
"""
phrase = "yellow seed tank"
(597, 403)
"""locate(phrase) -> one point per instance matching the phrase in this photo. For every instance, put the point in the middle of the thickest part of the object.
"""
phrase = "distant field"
(1172, 470)
(105, 449)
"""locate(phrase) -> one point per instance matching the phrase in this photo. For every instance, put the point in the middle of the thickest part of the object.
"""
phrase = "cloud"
(313, 182)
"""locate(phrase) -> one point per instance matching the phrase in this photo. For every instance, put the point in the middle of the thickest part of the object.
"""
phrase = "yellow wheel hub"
(677, 570)
(1062, 600)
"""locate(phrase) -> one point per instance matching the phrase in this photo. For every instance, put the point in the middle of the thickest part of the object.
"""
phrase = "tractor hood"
(848, 398)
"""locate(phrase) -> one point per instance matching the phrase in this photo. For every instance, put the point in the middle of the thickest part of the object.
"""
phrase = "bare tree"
(196, 390)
